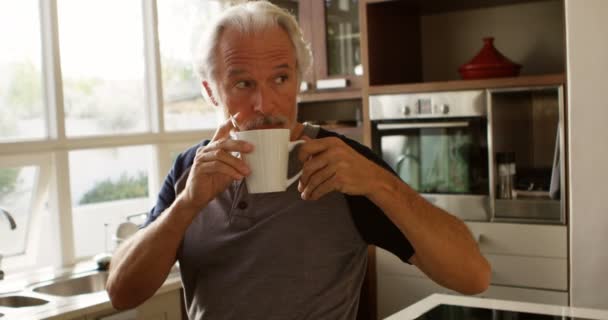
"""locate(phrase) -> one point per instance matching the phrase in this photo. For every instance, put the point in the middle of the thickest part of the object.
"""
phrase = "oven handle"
(422, 125)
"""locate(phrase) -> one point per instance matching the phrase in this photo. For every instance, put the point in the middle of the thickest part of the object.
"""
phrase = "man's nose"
(262, 101)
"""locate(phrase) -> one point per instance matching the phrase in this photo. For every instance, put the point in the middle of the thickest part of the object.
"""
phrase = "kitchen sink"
(20, 301)
(75, 285)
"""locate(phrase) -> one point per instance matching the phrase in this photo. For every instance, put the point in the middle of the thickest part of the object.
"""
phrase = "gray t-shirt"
(274, 255)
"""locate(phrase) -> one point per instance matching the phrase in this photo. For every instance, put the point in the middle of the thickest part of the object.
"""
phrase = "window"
(103, 65)
(21, 107)
(24, 180)
(69, 184)
(184, 107)
(16, 191)
(105, 196)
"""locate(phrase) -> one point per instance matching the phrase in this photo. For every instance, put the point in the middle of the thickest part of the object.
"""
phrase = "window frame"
(53, 150)
(43, 163)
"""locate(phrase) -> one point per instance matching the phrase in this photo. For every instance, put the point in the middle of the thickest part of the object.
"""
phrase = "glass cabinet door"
(289, 5)
(342, 36)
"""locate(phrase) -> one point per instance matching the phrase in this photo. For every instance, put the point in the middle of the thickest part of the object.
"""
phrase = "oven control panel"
(428, 105)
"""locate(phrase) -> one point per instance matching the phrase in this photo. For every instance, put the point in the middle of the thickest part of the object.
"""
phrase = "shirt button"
(242, 205)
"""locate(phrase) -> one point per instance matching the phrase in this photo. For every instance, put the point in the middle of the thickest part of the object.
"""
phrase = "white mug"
(269, 159)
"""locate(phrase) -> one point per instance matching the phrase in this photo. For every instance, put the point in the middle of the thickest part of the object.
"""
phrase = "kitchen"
(578, 253)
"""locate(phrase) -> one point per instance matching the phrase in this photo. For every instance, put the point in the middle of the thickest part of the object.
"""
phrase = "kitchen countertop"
(417, 309)
(63, 307)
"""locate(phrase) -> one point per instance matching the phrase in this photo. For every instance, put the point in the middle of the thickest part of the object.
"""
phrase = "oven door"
(446, 160)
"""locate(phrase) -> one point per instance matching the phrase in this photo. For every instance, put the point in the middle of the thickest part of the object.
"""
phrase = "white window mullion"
(59, 195)
(154, 91)
(53, 88)
(60, 201)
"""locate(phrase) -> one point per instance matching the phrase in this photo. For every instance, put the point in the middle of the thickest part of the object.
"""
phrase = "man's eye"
(280, 79)
(243, 84)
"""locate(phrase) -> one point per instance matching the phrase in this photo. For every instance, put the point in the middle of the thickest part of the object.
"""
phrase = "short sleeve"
(373, 225)
(167, 193)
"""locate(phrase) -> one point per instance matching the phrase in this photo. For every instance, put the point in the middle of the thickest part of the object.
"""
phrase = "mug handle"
(292, 144)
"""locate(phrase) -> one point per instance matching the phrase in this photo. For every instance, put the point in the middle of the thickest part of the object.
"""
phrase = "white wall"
(587, 64)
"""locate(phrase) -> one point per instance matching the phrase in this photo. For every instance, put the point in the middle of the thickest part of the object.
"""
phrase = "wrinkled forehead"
(267, 45)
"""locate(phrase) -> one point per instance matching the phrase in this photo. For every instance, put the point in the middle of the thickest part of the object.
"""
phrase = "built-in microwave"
(438, 144)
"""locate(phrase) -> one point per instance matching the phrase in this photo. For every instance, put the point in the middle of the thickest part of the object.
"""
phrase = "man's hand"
(214, 168)
(332, 165)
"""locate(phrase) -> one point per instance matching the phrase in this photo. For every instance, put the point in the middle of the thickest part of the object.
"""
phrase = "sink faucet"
(8, 215)
(13, 226)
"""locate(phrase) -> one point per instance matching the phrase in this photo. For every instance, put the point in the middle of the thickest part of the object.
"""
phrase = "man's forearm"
(445, 249)
(141, 265)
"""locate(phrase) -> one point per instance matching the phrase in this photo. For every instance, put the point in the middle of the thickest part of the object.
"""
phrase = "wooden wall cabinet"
(332, 29)
(413, 46)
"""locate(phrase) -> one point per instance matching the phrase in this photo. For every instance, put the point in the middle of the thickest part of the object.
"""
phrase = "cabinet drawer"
(530, 272)
(397, 292)
(521, 239)
(527, 295)
(511, 270)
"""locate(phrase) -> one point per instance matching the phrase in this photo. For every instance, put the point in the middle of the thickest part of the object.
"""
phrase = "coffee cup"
(269, 159)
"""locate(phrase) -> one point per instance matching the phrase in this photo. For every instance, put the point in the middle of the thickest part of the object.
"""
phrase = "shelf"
(347, 131)
(442, 6)
(355, 133)
(540, 209)
(328, 95)
(455, 85)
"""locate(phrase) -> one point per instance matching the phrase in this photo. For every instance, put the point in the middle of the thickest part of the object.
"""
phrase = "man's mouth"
(266, 122)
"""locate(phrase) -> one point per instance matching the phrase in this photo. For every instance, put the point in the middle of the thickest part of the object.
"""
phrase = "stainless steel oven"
(438, 144)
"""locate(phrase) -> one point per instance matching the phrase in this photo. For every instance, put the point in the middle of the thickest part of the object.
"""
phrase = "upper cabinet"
(420, 44)
(332, 29)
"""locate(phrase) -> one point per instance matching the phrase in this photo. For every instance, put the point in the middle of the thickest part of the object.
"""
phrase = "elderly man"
(294, 254)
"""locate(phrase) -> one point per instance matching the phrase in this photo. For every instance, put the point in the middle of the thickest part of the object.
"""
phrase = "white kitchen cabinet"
(398, 292)
(521, 255)
(164, 306)
(529, 263)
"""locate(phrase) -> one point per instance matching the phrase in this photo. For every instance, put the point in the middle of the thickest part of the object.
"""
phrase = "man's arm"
(141, 265)
(445, 250)
(444, 247)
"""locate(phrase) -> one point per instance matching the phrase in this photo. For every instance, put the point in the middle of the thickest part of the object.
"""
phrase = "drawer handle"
(478, 236)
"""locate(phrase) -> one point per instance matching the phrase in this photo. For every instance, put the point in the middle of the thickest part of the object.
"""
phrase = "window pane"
(104, 175)
(21, 106)
(16, 190)
(107, 185)
(102, 64)
(290, 5)
(343, 40)
(180, 25)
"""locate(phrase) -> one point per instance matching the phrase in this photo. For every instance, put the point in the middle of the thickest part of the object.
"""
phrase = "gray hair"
(247, 18)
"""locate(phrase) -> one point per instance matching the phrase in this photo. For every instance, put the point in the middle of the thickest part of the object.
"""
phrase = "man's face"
(257, 79)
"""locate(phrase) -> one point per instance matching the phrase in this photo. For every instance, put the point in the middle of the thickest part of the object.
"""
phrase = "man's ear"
(210, 92)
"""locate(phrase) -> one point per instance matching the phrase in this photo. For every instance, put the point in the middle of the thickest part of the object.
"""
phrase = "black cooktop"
(450, 312)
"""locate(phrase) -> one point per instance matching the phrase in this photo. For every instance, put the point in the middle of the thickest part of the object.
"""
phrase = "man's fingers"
(313, 165)
(225, 157)
(313, 147)
(317, 179)
(223, 131)
(322, 185)
(229, 145)
(220, 167)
